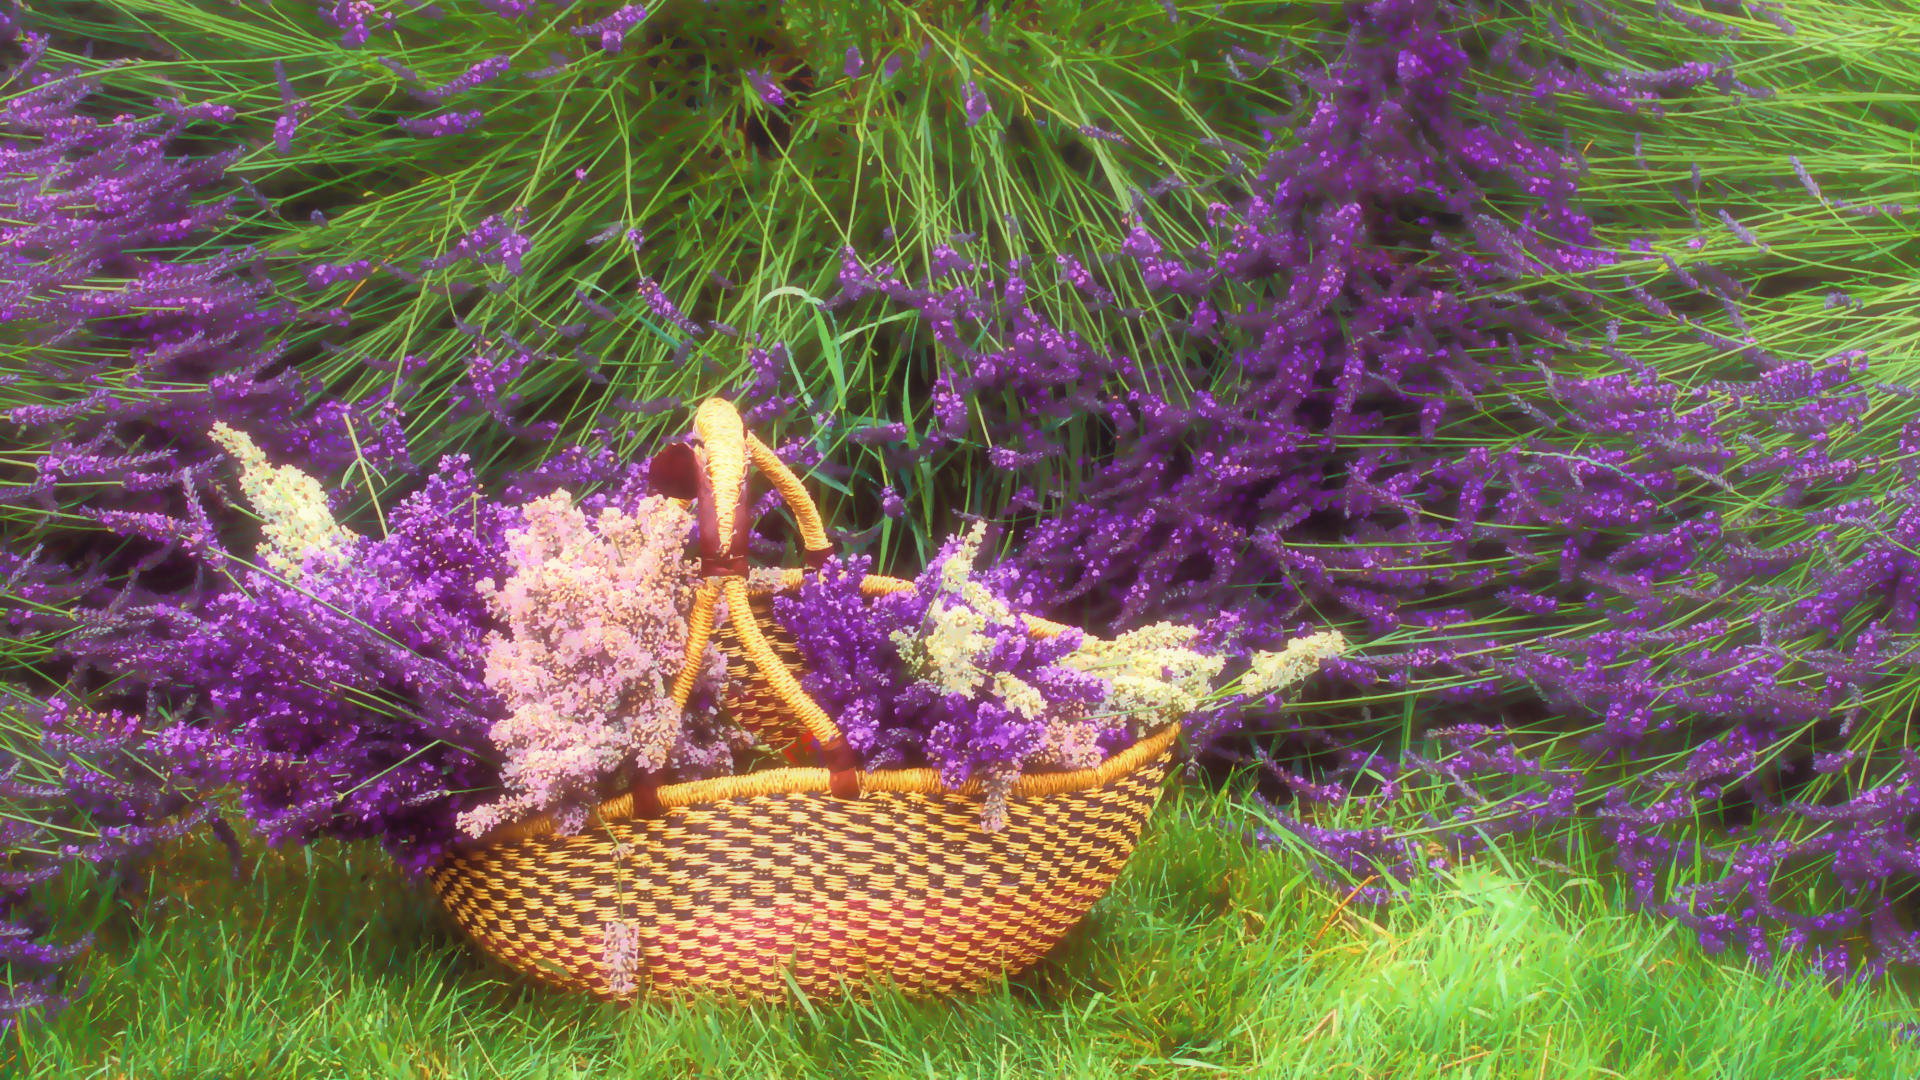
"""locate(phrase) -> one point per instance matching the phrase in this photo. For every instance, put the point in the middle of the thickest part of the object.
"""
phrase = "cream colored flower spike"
(292, 505)
(1301, 657)
(1156, 675)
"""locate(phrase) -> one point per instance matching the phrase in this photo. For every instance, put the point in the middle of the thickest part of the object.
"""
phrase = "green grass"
(1209, 958)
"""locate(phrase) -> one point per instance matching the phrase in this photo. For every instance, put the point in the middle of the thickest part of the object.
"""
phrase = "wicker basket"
(827, 879)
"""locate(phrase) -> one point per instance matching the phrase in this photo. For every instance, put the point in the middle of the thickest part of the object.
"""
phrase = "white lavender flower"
(292, 505)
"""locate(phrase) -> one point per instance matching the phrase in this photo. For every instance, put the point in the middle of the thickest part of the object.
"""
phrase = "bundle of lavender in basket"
(480, 661)
(485, 661)
(949, 674)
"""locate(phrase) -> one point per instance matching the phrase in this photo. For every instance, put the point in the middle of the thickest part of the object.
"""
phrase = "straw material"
(733, 897)
(829, 879)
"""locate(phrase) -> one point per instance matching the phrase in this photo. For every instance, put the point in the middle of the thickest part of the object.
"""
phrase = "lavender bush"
(618, 278)
(1749, 644)
(1662, 583)
(126, 335)
(82, 792)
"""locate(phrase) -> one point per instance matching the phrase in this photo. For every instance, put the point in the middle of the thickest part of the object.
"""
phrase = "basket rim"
(808, 780)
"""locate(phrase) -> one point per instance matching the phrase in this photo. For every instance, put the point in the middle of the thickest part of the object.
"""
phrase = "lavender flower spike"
(293, 504)
(768, 90)
(976, 104)
(612, 30)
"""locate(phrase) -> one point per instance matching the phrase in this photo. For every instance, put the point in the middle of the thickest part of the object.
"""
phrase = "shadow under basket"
(828, 878)
(732, 894)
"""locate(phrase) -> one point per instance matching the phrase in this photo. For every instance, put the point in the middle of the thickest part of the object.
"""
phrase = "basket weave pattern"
(749, 700)
(830, 879)
(729, 897)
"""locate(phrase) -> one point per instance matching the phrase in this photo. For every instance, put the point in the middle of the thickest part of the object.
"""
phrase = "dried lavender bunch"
(593, 633)
(852, 670)
(292, 505)
(949, 674)
(478, 663)
(989, 699)
(347, 700)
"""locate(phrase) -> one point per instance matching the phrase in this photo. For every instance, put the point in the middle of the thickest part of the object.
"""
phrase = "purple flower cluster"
(348, 701)
(494, 242)
(948, 673)
(855, 671)
(611, 31)
(440, 125)
(135, 341)
(894, 717)
(766, 88)
(84, 788)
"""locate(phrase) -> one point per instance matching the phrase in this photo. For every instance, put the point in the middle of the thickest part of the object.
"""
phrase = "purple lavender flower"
(283, 132)
(612, 30)
(442, 125)
(1745, 234)
(321, 275)
(350, 17)
(769, 91)
(480, 73)
(1093, 132)
(851, 667)
(887, 669)
(1806, 179)
(1396, 316)
(494, 242)
(975, 103)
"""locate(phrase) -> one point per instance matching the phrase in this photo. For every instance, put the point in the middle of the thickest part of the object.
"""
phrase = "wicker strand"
(779, 679)
(725, 441)
(699, 632)
(813, 533)
(810, 779)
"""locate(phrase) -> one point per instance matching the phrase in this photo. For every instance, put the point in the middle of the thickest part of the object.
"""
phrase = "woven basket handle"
(717, 482)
